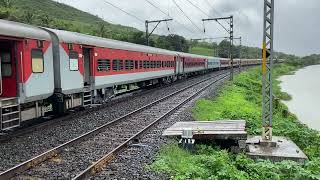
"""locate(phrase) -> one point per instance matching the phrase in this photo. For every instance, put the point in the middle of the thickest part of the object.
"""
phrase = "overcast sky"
(297, 23)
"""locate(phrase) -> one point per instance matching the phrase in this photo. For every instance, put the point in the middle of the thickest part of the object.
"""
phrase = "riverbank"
(304, 88)
(242, 100)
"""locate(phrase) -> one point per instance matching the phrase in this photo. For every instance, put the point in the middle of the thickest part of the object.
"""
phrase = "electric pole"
(230, 31)
(240, 50)
(147, 28)
(267, 61)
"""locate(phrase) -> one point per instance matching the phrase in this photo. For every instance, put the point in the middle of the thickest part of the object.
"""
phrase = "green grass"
(201, 51)
(242, 100)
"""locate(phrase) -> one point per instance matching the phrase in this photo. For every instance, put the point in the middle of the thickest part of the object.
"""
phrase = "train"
(46, 70)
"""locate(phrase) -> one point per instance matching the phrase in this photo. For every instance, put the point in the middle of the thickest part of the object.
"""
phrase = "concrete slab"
(224, 129)
(285, 149)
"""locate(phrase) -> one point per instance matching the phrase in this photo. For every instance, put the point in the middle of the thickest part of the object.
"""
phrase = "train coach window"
(153, 64)
(103, 65)
(129, 64)
(136, 65)
(37, 61)
(73, 61)
(148, 64)
(6, 67)
(144, 64)
(117, 65)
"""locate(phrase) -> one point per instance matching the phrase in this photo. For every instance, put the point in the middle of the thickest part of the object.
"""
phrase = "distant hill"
(61, 16)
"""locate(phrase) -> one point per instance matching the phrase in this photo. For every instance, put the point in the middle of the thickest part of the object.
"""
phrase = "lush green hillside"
(202, 51)
(56, 15)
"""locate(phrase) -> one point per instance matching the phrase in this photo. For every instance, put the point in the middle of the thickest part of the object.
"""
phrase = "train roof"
(78, 38)
(15, 29)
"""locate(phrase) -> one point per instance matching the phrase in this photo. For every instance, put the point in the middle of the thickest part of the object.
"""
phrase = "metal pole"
(240, 53)
(231, 47)
(147, 33)
(147, 28)
(267, 61)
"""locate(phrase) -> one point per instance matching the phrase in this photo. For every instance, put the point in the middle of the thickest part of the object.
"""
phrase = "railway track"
(87, 154)
(47, 122)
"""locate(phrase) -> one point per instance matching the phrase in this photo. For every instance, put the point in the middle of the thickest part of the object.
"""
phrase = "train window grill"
(103, 65)
(148, 64)
(153, 64)
(140, 64)
(117, 65)
(6, 66)
(144, 64)
(37, 61)
(73, 61)
(162, 64)
(136, 64)
(129, 64)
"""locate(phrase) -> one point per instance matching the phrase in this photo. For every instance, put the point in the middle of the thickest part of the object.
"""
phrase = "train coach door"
(179, 65)
(87, 66)
(8, 75)
(177, 60)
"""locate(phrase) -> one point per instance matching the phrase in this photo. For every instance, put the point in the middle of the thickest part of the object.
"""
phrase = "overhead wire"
(206, 15)
(219, 13)
(152, 4)
(123, 11)
(187, 16)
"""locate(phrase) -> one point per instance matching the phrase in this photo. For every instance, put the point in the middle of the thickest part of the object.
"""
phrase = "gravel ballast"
(20, 149)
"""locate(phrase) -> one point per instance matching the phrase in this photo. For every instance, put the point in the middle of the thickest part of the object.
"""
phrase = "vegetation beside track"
(242, 100)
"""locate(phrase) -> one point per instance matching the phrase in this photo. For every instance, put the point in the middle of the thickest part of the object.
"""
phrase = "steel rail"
(43, 123)
(100, 164)
(57, 150)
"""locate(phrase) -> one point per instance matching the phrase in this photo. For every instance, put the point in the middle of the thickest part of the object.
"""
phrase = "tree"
(62, 24)
(138, 38)
(28, 17)
(6, 9)
(101, 29)
(172, 42)
(45, 19)
(224, 48)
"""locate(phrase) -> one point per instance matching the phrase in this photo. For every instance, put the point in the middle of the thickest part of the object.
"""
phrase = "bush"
(242, 100)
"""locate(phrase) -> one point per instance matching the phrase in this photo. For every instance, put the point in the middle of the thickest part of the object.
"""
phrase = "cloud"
(296, 21)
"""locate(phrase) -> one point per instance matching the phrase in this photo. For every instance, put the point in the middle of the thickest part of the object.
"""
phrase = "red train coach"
(90, 69)
(26, 72)
(46, 70)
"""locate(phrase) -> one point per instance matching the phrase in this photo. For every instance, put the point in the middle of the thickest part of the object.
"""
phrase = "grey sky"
(296, 21)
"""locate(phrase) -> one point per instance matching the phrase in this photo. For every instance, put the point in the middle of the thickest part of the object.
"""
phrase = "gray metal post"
(240, 53)
(267, 61)
(147, 28)
(231, 47)
(147, 33)
(230, 31)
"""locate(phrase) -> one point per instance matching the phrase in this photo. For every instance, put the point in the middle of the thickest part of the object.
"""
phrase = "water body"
(304, 87)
